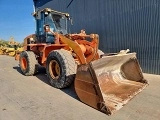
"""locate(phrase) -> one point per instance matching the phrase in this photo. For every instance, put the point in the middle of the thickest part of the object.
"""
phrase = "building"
(121, 24)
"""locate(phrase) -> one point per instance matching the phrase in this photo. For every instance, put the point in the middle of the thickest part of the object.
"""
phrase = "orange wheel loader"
(105, 82)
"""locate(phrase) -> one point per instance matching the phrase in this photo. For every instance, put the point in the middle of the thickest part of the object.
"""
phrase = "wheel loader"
(1, 50)
(11, 50)
(105, 82)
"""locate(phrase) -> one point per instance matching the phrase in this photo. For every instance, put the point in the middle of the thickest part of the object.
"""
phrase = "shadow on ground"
(41, 75)
(18, 69)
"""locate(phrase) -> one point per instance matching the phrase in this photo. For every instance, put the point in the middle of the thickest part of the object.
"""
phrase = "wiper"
(69, 3)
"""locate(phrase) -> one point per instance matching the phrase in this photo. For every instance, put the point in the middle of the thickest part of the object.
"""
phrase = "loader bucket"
(108, 83)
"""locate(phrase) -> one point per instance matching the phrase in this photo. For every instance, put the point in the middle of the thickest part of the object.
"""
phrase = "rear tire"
(28, 63)
(61, 68)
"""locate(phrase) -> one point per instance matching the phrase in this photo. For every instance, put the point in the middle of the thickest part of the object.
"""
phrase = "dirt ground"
(32, 98)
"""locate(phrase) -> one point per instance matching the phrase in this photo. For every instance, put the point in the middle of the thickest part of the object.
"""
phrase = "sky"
(16, 19)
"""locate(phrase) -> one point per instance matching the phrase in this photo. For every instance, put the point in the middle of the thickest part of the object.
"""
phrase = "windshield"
(60, 23)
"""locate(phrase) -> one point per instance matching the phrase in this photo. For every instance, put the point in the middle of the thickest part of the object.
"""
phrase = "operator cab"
(57, 22)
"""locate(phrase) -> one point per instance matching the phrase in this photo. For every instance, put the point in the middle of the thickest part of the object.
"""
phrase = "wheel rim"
(54, 69)
(24, 63)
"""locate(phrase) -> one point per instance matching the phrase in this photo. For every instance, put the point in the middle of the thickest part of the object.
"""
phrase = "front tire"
(28, 63)
(60, 68)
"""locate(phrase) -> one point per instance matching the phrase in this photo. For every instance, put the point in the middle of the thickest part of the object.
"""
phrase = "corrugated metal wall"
(121, 24)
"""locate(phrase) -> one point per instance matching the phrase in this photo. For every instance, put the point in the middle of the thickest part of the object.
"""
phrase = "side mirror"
(71, 20)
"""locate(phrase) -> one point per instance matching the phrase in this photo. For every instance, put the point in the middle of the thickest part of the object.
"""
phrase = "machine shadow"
(41, 75)
(18, 69)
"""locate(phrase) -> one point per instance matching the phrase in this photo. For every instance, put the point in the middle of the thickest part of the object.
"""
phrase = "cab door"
(39, 28)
